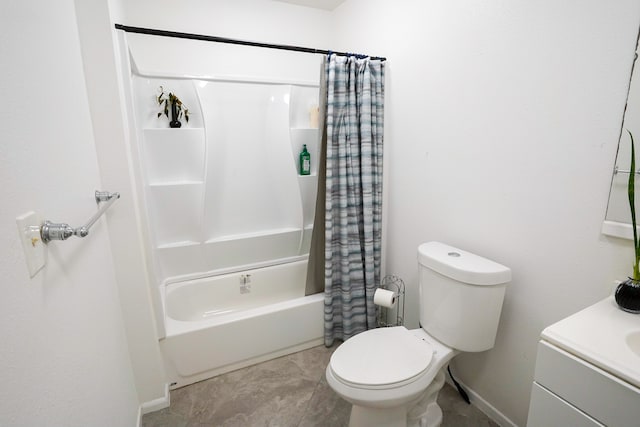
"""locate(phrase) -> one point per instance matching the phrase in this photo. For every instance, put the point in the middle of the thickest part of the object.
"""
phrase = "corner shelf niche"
(174, 165)
(303, 130)
(308, 136)
(174, 155)
(308, 183)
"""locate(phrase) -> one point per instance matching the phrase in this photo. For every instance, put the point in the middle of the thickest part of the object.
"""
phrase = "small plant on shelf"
(632, 206)
(627, 294)
(172, 102)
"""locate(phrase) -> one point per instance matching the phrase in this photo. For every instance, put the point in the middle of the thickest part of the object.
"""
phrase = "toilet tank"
(461, 296)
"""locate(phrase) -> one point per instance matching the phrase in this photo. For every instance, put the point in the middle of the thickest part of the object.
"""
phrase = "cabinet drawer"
(547, 409)
(599, 394)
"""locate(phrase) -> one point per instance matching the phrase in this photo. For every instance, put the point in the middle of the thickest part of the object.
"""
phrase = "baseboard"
(485, 407)
(139, 424)
(156, 404)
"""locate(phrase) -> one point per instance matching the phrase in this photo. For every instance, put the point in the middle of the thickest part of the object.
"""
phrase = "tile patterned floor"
(290, 391)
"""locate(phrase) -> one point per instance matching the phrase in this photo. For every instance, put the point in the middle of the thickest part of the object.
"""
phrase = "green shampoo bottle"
(305, 161)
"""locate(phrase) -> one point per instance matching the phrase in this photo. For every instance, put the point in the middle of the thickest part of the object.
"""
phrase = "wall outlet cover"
(32, 244)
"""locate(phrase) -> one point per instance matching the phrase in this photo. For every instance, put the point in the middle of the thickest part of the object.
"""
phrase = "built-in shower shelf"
(175, 183)
(183, 244)
(174, 156)
(261, 233)
(305, 136)
(176, 130)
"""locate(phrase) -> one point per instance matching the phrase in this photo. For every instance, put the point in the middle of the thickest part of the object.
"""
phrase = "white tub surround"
(228, 217)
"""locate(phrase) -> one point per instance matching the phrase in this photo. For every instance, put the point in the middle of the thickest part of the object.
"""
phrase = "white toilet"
(392, 376)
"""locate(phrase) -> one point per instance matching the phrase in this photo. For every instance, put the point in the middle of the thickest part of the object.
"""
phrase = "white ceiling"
(318, 4)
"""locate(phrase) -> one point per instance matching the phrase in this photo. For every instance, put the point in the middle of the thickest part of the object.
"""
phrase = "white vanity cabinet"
(587, 373)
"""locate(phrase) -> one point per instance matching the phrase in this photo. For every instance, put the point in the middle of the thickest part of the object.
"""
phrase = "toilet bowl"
(392, 376)
(399, 366)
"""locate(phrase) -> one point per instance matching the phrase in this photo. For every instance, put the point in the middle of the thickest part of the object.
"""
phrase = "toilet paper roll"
(384, 298)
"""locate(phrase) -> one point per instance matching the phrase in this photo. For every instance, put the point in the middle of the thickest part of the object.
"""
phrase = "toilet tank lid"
(461, 265)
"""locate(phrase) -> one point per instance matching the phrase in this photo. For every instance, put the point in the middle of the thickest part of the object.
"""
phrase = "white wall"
(125, 230)
(502, 121)
(501, 126)
(64, 358)
(259, 20)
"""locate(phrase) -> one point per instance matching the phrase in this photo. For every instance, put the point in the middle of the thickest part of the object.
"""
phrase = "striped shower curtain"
(353, 201)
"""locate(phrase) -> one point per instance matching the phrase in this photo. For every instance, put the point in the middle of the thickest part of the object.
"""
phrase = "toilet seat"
(382, 358)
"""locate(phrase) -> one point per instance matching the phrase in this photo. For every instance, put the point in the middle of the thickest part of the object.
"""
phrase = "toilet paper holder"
(391, 316)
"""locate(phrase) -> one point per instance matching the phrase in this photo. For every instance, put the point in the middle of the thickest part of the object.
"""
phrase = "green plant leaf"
(632, 206)
(166, 100)
(160, 97)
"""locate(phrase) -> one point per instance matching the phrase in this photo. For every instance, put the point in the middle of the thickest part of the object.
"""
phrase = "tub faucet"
(245, 283)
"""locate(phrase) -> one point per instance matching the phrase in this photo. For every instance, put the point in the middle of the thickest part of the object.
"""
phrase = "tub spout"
(245, 283)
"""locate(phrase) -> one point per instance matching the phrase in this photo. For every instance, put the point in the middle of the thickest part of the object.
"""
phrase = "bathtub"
(222, 323)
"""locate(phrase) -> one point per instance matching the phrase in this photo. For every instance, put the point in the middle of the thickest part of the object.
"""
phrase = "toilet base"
(422, 412)
(425, 411)
(378, 417)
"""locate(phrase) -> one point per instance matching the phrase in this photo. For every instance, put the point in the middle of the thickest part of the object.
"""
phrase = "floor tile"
(289, 391)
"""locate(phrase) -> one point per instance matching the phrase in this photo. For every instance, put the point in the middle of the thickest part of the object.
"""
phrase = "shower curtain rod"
(153, 32)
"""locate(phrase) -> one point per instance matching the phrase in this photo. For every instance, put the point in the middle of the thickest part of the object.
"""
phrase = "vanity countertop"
(603, 335)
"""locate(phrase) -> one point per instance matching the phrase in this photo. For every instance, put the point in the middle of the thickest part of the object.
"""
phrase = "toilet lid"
(382, 356)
